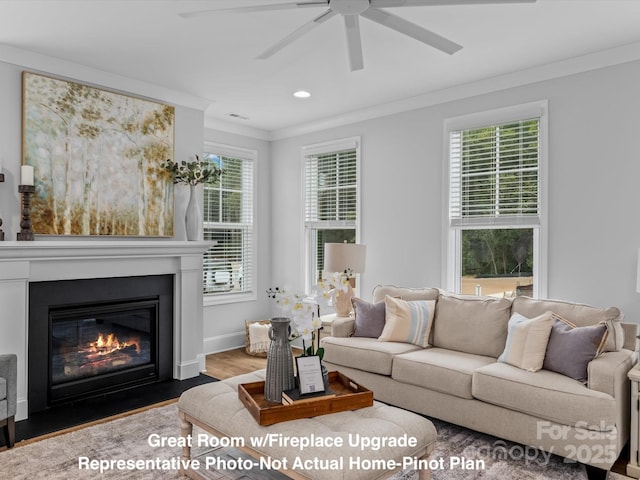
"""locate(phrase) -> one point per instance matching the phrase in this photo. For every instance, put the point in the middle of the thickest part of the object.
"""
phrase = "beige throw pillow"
(471, 324)
(527, 341)
(408, 321)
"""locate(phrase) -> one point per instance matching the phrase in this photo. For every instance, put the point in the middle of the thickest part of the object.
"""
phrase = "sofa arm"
(630, 336)
(608, 372)
(9, 371)
(343, 327)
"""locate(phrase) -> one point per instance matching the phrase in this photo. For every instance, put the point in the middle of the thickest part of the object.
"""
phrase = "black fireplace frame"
(46, 298)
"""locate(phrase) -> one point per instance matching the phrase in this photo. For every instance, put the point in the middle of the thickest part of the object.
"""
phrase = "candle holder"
(1, 232)
(25, 223)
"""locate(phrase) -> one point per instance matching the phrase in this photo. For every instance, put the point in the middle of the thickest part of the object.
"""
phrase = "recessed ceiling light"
(301, 94)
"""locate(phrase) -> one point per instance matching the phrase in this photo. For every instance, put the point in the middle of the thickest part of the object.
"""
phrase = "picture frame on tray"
(309, 374)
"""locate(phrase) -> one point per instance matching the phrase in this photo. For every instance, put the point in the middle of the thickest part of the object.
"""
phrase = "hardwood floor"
(234, 362)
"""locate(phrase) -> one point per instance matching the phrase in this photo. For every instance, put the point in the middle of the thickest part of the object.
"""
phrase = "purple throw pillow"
(571, 348)
(369, 318)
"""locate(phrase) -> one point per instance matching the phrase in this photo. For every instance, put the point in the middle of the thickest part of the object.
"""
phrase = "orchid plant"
(332, 284)
(304, 312)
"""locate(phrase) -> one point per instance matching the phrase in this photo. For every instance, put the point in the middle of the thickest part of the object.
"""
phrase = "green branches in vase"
(193, 173)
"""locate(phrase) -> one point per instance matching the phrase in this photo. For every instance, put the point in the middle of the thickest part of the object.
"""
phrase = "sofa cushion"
(571, 348)
(546, 395)
(527, 341)
(3, 388)
(577, 313)
(369, 318)
(471, 324)
(381, 291)
(408, 322)
(366, 354)
(438, 369)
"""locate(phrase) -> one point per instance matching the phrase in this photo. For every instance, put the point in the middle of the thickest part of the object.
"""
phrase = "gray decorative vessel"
(279, 361)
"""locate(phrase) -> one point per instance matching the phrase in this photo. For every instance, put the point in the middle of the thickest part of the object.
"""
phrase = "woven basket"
(247, 340)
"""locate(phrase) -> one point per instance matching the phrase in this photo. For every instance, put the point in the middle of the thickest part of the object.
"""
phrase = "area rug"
(93, 452)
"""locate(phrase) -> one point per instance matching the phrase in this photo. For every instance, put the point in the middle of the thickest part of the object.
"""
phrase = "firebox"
(92, 337)
(94, 343)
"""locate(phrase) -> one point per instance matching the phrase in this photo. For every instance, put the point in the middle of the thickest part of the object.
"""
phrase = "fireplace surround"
(23, 263)
(94, 336)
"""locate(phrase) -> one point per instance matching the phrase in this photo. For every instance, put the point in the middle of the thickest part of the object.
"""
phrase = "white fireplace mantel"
(42, 260)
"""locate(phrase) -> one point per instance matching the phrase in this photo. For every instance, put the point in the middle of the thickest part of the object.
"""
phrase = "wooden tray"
(349, 396)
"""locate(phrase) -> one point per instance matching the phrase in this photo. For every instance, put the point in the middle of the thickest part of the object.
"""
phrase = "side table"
(633, 467)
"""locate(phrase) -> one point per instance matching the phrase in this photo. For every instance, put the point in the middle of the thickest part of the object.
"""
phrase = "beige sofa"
(459, 380)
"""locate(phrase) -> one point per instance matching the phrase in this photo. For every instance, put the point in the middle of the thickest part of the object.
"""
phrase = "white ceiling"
(213, 57)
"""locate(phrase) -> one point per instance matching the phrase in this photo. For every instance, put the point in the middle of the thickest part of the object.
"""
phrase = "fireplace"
(90, 345)
(95, 336)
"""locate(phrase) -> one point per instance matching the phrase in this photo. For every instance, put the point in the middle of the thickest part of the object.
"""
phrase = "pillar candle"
(26, 177)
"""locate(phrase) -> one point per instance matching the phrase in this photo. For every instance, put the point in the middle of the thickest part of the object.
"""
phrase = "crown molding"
(56, 66)
(230, 127)
(99, 78)
(563, 68)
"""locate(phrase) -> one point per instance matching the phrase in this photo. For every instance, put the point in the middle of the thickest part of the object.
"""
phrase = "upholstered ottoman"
(368, 443)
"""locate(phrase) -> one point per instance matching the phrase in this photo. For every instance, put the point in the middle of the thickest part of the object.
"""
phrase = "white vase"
(193, 216)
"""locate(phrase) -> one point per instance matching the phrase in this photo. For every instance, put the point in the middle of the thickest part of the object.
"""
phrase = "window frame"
(251, 156)
(309, 247)
(451, 235)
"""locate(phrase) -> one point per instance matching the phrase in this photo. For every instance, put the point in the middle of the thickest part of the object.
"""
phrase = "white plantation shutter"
(229, 266)
(494, 174)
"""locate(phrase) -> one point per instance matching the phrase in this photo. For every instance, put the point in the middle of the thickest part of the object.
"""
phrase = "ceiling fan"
(351, 10)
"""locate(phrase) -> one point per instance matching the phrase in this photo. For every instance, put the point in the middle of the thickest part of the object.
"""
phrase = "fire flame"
(110, 344)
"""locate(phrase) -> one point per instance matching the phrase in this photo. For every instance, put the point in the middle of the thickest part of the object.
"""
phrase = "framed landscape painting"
(97, 159)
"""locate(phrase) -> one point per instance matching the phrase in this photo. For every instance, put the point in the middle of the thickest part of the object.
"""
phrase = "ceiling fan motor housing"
(349, 7)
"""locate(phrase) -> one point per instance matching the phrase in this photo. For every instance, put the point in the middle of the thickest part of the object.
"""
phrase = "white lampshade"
(339, 257)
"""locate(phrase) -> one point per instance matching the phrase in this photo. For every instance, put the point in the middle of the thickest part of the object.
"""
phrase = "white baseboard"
(22, 409)
(222, 343)
(189, 369)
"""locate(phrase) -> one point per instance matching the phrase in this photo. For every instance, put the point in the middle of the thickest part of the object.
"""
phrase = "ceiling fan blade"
(354, 44)
(297, 34)
(412, 30)
(255, 8)
(426, 3)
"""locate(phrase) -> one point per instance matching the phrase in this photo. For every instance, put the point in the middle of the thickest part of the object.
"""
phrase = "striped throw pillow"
(527, 340)
(408, 321)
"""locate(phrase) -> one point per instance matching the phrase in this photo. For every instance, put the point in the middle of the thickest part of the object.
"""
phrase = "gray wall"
(594, 232)
(224, 324)
(593, 221)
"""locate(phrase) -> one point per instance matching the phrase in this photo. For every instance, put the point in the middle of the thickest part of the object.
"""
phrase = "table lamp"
(347, 258)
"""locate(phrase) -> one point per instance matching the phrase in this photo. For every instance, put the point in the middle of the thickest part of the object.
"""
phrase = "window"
(331, 200)
(229, 266)
(496, 192)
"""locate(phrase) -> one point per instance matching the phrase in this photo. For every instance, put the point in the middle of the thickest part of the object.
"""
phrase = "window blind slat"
(228, 220)
(330, 186)
(331, 200)
(494, 172)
